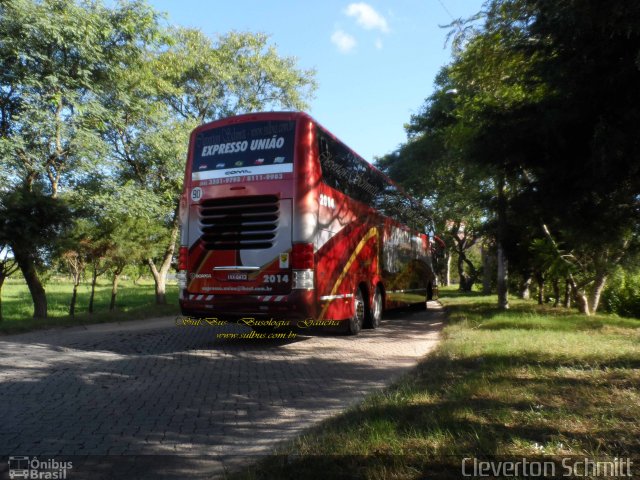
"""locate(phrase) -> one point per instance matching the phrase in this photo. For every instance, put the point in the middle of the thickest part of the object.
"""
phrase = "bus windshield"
(244, 148)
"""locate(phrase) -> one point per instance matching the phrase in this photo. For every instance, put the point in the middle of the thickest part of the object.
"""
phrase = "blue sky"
(375, 60)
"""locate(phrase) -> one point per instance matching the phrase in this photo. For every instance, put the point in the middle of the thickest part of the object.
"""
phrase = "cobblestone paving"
(153, 388)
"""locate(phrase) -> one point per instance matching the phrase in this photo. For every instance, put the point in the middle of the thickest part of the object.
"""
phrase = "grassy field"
(133, 302)
(529, 382)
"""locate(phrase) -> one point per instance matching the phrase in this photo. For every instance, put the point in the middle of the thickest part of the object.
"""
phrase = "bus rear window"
(251, 144)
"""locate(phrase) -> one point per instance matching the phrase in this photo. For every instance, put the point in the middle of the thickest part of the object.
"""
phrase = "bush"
(622, 294)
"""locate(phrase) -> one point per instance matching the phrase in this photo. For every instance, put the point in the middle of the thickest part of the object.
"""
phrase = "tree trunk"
(582, 302)
(447, 268)
(462, 276)
(76, 268)
(114, 290)
(556, 292)
(160, 282)
(581, 299)
(503, 277)
(160, 276)
(466, 280)
(94, 279)
(525, 287)
(161, 287)
(540, 280)
(567, 295)
(598, 288)
(503, 266)
(578, 292)
(28, 268)
(72, 305)
(472, 276)
(486, 270)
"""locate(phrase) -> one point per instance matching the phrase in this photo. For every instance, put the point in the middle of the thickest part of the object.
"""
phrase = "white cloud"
(378, 43)
(345, 42)
(367, 17)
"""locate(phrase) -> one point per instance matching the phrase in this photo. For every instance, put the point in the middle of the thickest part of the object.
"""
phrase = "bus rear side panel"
(347, 244)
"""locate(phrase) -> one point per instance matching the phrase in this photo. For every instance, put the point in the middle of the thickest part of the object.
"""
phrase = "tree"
(98, 244)
(75, 264)
(537, 105)
(129, 240)
(150, 163)
(236, 73)
(57, 56)
(30, 221)
(570, 135)
(464, 240)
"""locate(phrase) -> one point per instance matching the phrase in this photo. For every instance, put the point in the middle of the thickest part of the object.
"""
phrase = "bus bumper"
(295, 306)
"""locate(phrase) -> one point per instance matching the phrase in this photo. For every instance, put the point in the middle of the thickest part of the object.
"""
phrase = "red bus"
(279, 219)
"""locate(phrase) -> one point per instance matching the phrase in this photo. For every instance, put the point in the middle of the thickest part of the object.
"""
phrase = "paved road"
(152, 388)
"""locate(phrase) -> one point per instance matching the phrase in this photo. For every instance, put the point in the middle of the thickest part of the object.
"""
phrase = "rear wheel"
(357, 319)
(375, 316)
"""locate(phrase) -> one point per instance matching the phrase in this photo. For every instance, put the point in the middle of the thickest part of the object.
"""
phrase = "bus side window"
(333, 172)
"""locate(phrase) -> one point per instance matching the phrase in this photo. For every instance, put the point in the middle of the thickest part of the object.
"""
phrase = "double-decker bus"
(279, 219)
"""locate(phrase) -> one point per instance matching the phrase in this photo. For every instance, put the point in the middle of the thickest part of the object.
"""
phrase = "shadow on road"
(176, 390)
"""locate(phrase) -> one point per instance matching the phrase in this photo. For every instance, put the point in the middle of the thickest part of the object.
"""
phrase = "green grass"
(133, 302)
(526, 382)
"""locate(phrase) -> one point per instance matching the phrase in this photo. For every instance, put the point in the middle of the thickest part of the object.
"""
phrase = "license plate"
(237, 276)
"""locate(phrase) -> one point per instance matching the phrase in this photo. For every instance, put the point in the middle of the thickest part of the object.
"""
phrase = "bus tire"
(375, 316)
(355, 323)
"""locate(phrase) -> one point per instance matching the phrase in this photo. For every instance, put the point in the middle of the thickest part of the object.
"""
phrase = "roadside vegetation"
(135, 301)
(527, 155)
(527, 382)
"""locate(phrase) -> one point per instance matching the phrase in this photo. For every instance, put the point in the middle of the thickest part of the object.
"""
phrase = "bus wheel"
(376, 309)
(357, 320)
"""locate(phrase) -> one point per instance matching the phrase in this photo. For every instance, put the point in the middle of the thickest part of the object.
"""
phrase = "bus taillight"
(182, 258)
(182, 268)
(302, 263)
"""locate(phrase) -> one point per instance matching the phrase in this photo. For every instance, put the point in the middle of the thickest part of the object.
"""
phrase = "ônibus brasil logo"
(25, 467)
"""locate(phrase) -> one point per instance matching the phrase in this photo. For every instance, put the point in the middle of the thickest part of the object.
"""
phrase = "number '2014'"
(276, 278)
(327, 201)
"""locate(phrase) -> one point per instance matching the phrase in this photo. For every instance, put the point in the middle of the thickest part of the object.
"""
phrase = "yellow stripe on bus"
(373, 232)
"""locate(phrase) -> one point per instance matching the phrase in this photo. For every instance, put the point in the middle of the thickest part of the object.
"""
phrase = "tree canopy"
(541, 100)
